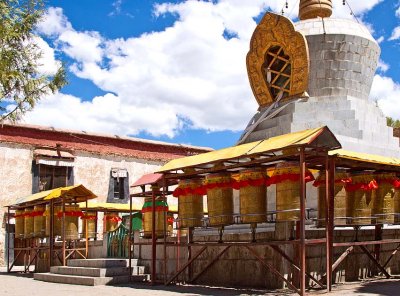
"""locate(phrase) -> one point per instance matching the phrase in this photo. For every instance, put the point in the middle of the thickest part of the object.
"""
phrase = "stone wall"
(90, 169)
(238, 267)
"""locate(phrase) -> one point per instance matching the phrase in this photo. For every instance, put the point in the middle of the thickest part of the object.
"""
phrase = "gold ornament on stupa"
(310, 9)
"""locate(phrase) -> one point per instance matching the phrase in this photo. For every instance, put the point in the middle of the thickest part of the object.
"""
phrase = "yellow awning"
(208, 157)
(116, 207)
(107, 206)
(365, 157)
(33, 197)
(76, 192)
(321, 137)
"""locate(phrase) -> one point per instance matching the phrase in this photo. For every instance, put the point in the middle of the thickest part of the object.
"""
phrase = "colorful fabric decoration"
(161, 206)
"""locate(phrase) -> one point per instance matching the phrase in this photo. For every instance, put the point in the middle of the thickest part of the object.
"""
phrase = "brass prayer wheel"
(339, 199)
(190, 204)
(39, 221)
(112, 220)
(219, 199)
(56, 220)
(286, 176)
(383, 199)
(252, 194)
(19, 223)
(161, 210)
(358, 199)
(89, 218)
(28, 223)
(71, 223)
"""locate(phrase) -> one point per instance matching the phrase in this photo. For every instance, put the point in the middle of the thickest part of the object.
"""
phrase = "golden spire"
(315, 8)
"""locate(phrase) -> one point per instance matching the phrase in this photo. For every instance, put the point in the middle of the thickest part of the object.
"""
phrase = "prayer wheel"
(90, 219)
(71, 223)
(396, 205)
(112, 220)
(39, 221)
(56, 220)
(161, 210)
(286, 176)
(190, 203)
(252, 193)
(383, 199)
(339, 199)
(28, 223)
(219, 199)
(19, 223)
(358, 199)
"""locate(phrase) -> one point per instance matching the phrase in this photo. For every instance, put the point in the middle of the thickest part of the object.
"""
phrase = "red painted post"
(153, 238)
(302, 223)
(331, 221)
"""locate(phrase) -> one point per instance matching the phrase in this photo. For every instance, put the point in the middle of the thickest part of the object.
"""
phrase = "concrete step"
(80, 280)
(96, 272)
(101, 262)
(140, 278)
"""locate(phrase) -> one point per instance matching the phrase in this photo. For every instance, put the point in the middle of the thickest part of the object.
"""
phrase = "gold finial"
(315, 8)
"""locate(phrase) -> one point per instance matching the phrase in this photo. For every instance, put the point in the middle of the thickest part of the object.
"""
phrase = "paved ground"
(24, 285)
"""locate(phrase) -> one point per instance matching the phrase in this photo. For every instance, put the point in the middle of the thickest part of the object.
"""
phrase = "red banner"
(362, 186)
(288, 177)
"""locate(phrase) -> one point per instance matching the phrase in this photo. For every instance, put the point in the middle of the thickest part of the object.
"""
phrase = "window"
(52, 177)
(118, 191)
(277, 71)
(51, 168)
(119, 188)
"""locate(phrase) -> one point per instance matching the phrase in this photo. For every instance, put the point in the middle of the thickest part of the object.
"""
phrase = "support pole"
(377, 247)
(164, 186)
(302, 223)
(153, 239)
(51, 239)
(8, 239)
(130, 238)
(329, 217)
(86, 233)
(96, 226)
(64, 259)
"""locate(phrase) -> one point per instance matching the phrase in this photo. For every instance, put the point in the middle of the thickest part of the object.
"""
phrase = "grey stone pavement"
(17, 284)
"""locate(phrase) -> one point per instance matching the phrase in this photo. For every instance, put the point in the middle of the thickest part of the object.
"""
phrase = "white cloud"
(380, 39)
(54, 22)
(187, 72)
(398, 12)
(387, 92)
(395, 34)
(382, 66)
(104, 114)
(48, 65)
(84, 47)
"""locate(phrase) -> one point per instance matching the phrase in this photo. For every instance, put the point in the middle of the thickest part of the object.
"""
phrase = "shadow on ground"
(17, 274)
(205, 290)
(383, 288)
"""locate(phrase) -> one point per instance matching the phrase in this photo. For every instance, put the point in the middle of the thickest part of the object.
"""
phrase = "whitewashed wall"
(91, 170)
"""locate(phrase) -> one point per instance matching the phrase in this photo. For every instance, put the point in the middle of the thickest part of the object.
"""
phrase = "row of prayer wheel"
(252, 184)
(163, 220)
(34, 222)
(361, 199)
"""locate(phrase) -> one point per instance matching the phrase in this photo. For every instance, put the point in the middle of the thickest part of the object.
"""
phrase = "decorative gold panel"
(275, 38)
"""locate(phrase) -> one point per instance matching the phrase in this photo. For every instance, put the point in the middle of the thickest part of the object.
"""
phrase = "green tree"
(393, 123)
(21, 83)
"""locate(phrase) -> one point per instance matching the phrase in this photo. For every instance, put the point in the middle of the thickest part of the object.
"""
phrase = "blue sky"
(175, 70)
